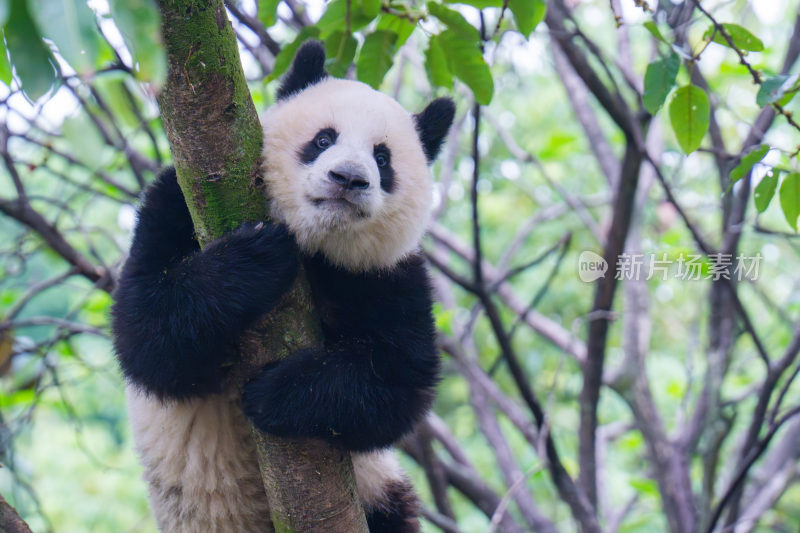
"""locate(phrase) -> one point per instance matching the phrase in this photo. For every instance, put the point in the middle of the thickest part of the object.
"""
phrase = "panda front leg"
(179, 310)
(367, 386)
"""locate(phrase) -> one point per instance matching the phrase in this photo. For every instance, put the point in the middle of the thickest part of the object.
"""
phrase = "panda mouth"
(339, 203)
(333, 201)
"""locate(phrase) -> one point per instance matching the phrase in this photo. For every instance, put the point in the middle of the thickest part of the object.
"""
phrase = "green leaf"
(5, 66)
(5, 9)
(790, 198)
(480, 4)
(335, 17)
(72, 26)
(140, 25)
(465, 60)
(659, 79)
(746, 164)
(111, 86)
(645, 487)
(436, 64)
(376, 56)
(774, 88)
(652, 27)
(741, 37)
(765, 190)
(31, 58)
(402, 27)
(268, 12)
(85, 140)
(528, 14)
(371, 8)
(285, 56)
(455, 21)
(340, 48)
(689, 115)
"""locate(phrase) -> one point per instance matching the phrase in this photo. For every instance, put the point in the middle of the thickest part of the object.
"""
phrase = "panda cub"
(346, 168)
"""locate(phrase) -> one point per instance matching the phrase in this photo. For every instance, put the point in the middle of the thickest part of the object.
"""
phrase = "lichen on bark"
(215, 138)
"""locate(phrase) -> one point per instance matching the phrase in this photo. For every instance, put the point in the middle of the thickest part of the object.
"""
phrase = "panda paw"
(260, 241)
(286, 398)
(264, 401)
(264, 254)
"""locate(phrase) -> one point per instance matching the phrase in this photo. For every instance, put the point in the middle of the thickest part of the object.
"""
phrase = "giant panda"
(346, 169)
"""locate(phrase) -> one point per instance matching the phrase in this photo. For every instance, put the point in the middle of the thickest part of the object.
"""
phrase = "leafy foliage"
(689, 115)
(543, 179)
(741, 37)
(659, 80)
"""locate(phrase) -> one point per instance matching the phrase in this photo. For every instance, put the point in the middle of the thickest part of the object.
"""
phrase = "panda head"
(347, 167)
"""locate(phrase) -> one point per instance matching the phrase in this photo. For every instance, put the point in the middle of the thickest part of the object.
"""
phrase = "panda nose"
(348, 179)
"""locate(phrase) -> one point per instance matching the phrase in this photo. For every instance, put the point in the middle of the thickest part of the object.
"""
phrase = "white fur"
(391, 224)
(202, 472)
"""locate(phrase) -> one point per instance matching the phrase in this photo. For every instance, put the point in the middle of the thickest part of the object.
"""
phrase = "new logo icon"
(591, 266)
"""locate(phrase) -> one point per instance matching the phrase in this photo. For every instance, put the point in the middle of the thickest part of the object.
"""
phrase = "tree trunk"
(10, 521)
(215, 137)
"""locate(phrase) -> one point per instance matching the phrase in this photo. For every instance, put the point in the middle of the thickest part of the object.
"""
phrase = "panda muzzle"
(349, 178)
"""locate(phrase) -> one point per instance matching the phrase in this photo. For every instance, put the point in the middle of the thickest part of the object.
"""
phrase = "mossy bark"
(215, 137)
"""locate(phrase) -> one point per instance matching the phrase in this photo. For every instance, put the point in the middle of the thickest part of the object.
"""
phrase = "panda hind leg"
(386, 493)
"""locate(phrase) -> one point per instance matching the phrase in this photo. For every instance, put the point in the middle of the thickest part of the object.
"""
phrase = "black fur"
(375, 376)
(179, 310)
(432, 125)
(310, 151)
(307, 69)
(398, 511)
(386, 172)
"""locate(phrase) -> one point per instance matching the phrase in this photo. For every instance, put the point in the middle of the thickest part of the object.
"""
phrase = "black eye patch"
(383, 158)
(324, 139)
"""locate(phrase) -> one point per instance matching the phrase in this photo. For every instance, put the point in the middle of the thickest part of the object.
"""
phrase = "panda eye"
(381, 155)
(323, 141)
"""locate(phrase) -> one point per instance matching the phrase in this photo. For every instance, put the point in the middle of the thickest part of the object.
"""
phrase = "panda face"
(347, 172)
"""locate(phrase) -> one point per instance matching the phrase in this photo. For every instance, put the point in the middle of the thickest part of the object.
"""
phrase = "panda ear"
(307, 69)
(432, 125)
